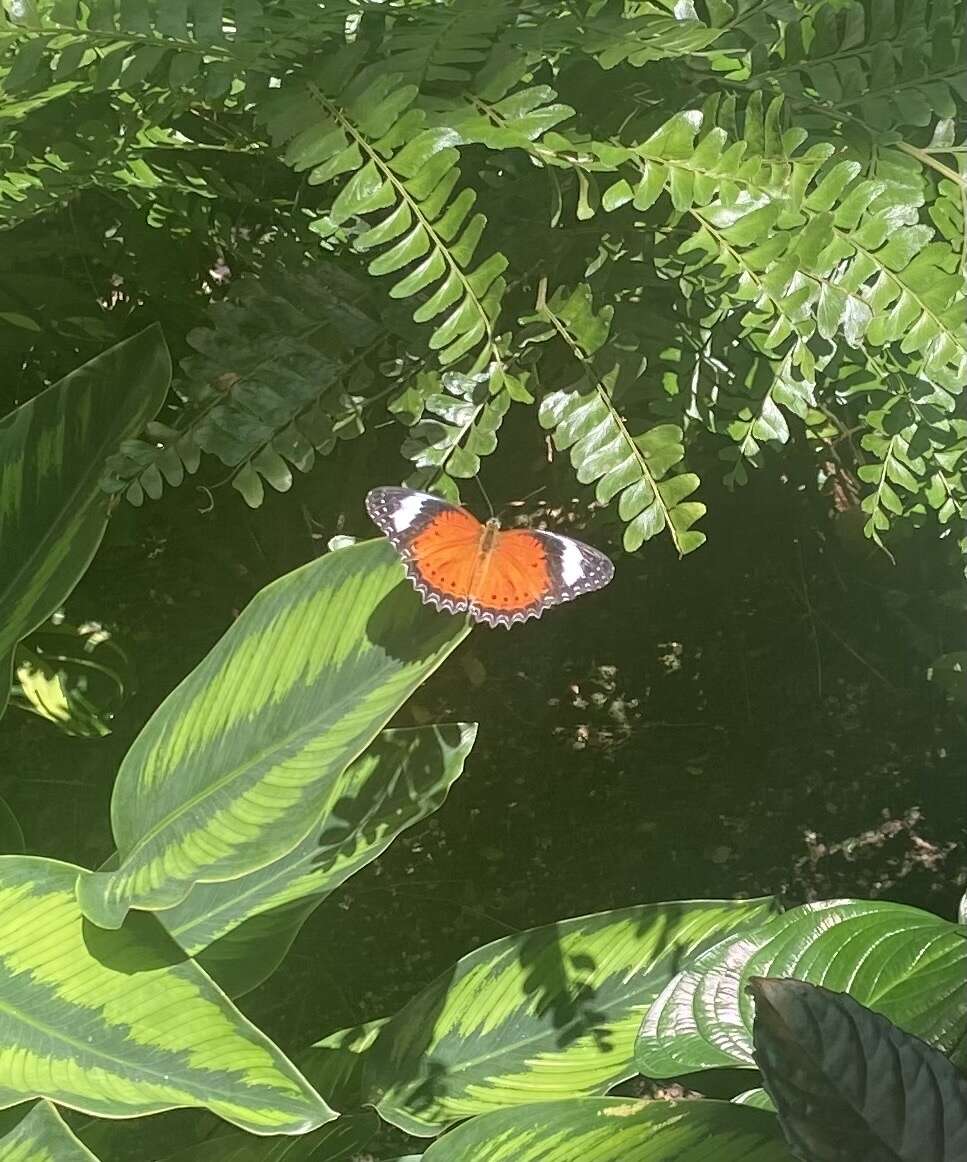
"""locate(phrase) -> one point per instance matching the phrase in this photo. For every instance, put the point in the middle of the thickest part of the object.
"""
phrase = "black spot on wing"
(430, 595)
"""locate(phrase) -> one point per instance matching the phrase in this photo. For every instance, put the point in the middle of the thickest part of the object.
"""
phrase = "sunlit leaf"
(901, 962)
(236, 766)
(550, 1011)
(123, 1023)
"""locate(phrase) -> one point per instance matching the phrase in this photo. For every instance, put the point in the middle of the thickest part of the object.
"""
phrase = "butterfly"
(499, 577)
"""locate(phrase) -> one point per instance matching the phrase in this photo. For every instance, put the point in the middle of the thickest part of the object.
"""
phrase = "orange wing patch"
(459, 565)
(513, 579)
(441, 559)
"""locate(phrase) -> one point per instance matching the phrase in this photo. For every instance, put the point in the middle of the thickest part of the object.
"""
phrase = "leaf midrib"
(619, 999)
(82, 1048)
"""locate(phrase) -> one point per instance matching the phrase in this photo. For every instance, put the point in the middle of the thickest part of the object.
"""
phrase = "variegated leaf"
(337, 1062)
(616, 1129)
(38, 1133)
(120, 1023)
(236, 766)
(52, 454)
(907, 964)
(547, 1013)
(243, 928)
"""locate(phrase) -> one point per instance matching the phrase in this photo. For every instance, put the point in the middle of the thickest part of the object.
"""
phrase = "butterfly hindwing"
(530, 570)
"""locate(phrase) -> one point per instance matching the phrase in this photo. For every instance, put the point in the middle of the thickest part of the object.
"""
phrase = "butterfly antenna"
(483, 492)
(523, 499)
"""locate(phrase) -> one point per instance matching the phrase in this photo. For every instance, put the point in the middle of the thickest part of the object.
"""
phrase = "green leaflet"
(122, 1023)
(368, 127)
(276, 381)
(242, 928)
(549, 1012)
(616, 1129)
(901, 962)
(629, 461)
(38, 1133)
(848, 1083)
(235, 767)
(52, 451)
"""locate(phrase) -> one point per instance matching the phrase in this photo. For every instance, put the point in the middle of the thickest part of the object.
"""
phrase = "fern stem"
(337, 115)
(927, 158)
(608, 402)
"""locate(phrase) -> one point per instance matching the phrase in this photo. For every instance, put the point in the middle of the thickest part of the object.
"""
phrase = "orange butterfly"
(458, 564)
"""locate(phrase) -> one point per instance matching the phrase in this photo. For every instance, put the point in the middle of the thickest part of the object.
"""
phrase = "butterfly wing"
(529, 570)
(438, 543)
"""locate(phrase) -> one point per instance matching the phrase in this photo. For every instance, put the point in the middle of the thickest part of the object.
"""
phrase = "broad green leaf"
(38, 1133)
(901, 962)
(243, 928)
(337, 1062)
(616, 1129)
(52, 454)
(236, 766)
(122, 1023)
(847, 1083)
(549, 1012)
(344, 1140)
(758, 1098)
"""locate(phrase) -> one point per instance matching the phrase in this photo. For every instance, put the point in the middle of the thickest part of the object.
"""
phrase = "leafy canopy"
(688, 235)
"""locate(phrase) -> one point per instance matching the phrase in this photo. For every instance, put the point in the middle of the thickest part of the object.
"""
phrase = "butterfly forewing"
(438, 542)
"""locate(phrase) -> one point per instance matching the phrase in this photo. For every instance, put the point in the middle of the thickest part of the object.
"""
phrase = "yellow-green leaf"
(900, 961)
(243, 928)
(38, 1133)
(235, 767)
(617, 1129)
(52, 453)
(122, 1023)
(551, 1012)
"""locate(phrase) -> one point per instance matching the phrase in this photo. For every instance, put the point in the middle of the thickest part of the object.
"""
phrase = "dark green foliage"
(687, 235)
(849, 1084)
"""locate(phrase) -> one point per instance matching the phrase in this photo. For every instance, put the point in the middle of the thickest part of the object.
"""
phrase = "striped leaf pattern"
(906, 964)
(122, 1023)
(236, 766)
(38, 1133)
(548, 1013)
(617, 1130)
(243, 928)
(52, 453)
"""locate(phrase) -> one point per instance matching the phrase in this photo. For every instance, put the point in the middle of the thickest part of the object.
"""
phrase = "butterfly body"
(498, 576)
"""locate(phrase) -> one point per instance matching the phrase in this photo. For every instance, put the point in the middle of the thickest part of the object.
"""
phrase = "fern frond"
(281, 376)
(445, 43)
(628, 462)
(881, 64)
(454, 420)
(366, 126)
(204, 47)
